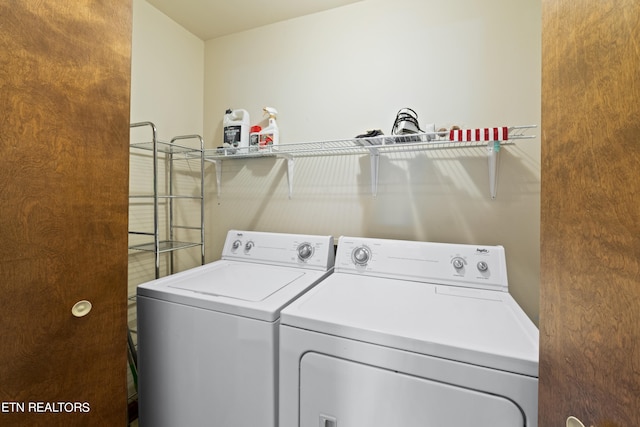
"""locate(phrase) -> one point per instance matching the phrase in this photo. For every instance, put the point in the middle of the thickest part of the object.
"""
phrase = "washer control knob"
(361, 255)
(482, 266)
(248, 246)
(458, 263)
(305, 251)
(236, 245)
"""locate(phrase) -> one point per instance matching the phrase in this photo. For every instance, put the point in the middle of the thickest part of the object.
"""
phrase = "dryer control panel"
(439, 263)
(301, 250)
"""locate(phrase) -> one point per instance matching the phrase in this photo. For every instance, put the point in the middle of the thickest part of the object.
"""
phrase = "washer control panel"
(306, 251)
(438, 263)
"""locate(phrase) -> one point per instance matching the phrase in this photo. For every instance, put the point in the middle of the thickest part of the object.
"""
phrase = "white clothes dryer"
(409, 334)
(208, 336)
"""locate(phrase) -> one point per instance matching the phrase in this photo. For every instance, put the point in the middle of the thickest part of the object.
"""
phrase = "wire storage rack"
(182, 147)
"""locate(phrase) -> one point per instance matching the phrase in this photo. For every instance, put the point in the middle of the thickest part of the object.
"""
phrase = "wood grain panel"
(590, 219)
(64, 86)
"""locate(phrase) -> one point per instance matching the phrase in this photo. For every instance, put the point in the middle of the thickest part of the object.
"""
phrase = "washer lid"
(258, 291)
(475, 326)
(247, 282)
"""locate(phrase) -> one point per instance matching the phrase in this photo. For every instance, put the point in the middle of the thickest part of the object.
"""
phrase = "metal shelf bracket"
(290, 170)
(374, 157)
(493, 149)
(218, 164)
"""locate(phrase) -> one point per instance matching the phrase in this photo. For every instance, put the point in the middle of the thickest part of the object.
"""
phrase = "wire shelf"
(164, 246)
(377, 145)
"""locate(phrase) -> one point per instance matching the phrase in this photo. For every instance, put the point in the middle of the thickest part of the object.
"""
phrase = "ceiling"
(209, 19)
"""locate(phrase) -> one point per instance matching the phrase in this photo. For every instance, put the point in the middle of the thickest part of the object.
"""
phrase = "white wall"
(335, 74)
(167, 80)
(167, 73)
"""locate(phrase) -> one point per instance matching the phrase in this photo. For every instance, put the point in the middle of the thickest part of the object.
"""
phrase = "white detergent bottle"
(236, 128)
(270, 135)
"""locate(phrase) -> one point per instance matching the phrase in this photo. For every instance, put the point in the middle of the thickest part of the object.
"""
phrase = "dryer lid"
(480, 327)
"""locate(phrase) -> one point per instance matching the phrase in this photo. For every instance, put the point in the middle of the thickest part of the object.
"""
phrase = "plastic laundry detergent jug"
(236, 128)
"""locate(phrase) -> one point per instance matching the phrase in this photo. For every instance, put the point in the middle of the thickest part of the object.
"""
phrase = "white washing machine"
(409, 334)
(208, 337)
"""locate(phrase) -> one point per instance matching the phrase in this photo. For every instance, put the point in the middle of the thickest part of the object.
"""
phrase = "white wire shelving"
(372, 146)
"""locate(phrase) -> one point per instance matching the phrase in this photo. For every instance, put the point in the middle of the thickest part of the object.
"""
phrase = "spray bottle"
(270, 135)
(236, 128)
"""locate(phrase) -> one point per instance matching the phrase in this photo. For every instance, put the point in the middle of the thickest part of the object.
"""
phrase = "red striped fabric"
(481, 134)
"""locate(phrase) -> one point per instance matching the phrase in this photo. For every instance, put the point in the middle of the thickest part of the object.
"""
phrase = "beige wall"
(335, 74)
(167, 73)
(166, 88)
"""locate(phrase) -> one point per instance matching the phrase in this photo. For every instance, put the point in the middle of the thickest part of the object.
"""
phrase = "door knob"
(574, 422)
(81, 308)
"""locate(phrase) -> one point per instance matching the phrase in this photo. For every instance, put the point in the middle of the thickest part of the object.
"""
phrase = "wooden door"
(590, 222)
(64, 130)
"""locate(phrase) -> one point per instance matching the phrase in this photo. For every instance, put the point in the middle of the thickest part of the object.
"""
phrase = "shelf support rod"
(290, 170)
(218, 164)
(374, 157)
(493, 148)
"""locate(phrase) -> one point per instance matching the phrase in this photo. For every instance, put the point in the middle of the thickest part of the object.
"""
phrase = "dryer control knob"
(361, 255)
(305, 251)
(236, 245)
(458, 263)
(482, 266)
(248, 246)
